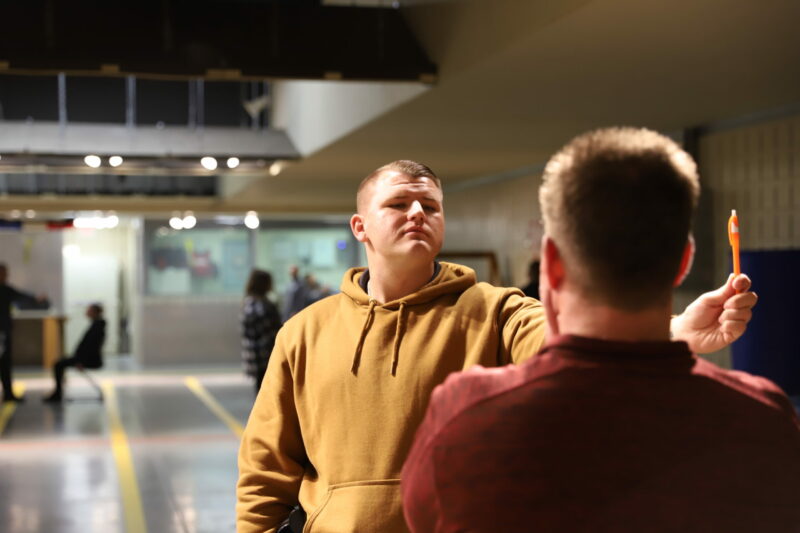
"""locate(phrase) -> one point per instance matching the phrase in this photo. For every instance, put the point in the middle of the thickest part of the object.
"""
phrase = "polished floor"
(157, 455)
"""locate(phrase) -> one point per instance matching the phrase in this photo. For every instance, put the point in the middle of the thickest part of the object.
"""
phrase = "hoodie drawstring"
(364, 330)
(401, 326)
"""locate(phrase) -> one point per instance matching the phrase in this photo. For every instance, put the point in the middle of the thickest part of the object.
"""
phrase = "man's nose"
(416, 212)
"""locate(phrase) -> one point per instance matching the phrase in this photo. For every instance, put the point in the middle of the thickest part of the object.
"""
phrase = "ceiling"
(516, 79)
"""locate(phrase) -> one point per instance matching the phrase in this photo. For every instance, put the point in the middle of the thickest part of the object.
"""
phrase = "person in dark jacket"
(8, 296)
(88, 353)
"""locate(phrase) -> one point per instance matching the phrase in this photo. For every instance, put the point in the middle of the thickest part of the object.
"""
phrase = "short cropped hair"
(97, 308)
(406, 166)
(619, 203)
(259, 283)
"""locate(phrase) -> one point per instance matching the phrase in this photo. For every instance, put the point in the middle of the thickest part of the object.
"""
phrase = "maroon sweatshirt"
(605, 436)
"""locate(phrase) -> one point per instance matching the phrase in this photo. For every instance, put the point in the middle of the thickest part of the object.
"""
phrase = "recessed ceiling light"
(92, 161)
(233, 162)
(189, 220)
(251, 220)
(209, 163)
(115, 160)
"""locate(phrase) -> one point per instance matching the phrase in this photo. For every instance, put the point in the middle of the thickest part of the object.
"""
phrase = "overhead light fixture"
(92, 161)
(15, 213)
(112, 221)
(97, 221)
(233, 162)
(209, 163)
(176, 223)
(115, 160)
(30, 213)
(189, 220)
(275, 168)
(251, 220)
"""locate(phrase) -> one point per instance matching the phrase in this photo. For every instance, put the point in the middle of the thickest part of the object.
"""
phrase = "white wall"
(33, 257)
(104, 271)
(176, 331)
(501, 217)
(316, 113)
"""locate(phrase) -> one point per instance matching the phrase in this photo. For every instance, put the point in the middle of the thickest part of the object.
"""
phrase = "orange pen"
(733, 238)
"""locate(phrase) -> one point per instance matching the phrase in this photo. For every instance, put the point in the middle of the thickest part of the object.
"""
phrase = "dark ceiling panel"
(95, 99)
(193, 37)
(24, 97)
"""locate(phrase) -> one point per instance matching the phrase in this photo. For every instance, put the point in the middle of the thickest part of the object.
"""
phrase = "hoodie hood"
(450, 279)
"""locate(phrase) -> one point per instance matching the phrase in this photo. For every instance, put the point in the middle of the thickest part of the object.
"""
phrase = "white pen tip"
(733, 212)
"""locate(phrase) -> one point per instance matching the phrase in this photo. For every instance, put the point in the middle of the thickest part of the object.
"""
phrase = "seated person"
(613, 427)
(88, 354)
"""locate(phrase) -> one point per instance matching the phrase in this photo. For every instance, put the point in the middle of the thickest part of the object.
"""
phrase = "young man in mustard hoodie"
(350, 376)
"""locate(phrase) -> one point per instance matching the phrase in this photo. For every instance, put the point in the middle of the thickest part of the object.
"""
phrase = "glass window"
(323, 252)
(213, 259)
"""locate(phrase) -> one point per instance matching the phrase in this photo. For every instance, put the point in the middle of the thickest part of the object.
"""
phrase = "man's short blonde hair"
(619, 203)
(406, 166)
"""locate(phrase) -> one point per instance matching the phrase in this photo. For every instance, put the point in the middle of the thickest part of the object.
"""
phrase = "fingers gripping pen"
(733, 238)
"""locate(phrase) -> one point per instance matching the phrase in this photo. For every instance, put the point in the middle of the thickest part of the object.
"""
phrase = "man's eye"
(397, 206)
(430, 208)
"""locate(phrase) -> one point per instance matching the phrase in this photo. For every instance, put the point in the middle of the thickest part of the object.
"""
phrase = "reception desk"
(38, 339)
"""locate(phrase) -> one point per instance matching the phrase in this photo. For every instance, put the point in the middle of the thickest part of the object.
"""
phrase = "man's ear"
(357, 227)
(686, 262)
(552, 265)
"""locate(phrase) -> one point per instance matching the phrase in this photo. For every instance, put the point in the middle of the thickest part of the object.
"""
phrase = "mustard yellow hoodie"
(347, 386)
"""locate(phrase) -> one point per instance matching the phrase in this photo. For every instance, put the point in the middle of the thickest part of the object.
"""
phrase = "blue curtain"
(771, 345)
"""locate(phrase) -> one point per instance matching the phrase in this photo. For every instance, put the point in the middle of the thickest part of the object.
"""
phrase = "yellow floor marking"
(201, 392)
(9, 407)
(129, 487)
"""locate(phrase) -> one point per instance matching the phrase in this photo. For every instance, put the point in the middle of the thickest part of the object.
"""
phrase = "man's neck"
(584, 318)
(388, 283)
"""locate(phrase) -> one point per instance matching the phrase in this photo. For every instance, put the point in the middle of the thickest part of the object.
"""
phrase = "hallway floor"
(157, 455)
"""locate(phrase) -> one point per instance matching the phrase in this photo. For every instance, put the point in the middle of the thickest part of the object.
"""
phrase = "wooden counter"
(38, 339)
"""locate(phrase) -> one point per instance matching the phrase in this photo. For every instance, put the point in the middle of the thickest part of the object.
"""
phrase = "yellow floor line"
(129, 487)
(201, 392)
(9, 407)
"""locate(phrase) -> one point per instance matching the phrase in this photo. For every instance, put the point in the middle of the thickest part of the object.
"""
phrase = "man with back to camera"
(350, 377)
(612, 427)
(8, 296)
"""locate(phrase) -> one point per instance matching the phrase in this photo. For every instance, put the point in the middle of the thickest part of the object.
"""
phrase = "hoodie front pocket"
(359, 506)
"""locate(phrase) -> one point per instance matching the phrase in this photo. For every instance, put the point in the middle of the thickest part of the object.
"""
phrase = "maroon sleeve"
(418, 484)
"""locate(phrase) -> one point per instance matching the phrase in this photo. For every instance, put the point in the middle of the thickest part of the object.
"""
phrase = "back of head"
(618, 203)
(259, 283)
(405, 166)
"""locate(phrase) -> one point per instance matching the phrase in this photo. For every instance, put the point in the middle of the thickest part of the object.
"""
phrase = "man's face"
(401, 218)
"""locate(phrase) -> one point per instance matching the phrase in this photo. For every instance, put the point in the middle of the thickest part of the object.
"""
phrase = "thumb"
(719, 296)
